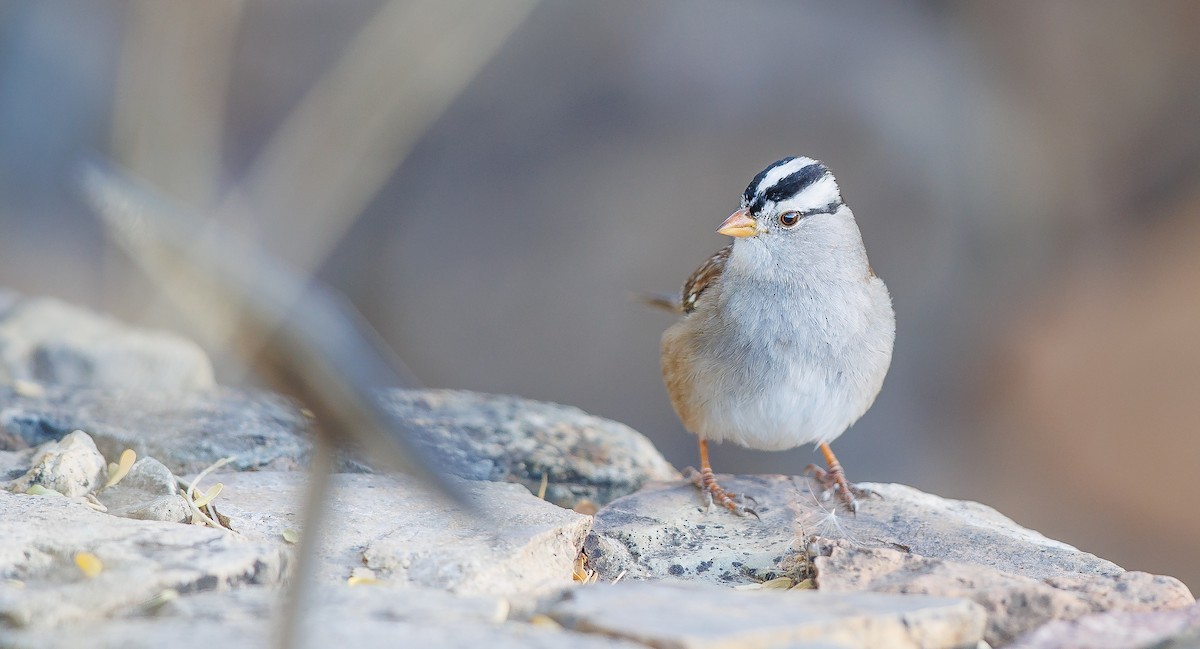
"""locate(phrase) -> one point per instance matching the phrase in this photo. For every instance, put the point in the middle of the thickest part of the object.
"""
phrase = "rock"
(904, 542)
(512, 544)
(40, 585)
(72, 467)
(503, 438)
(185, 431)
(661, 532)
(363, 616)
(1189, 639)
(148, 492)
(51, 342)
(967, 532)
(264, 431)
(707, 617)
(1014, 604)
(1176, 628)
(14, 464)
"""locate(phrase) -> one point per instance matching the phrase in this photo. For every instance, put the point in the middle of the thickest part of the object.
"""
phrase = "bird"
(785, 334)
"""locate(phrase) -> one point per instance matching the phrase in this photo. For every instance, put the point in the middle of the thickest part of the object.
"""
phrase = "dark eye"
(788, 219)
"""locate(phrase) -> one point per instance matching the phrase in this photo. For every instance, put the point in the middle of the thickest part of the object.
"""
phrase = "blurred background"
(490, 182)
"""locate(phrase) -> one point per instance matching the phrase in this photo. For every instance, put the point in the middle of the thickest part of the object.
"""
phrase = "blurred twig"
(316, 347)
(364, 115)
(320, 169)
(345, 137)
(172, 83)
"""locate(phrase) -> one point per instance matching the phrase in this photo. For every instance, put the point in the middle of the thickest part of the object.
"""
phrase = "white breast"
(773, 379)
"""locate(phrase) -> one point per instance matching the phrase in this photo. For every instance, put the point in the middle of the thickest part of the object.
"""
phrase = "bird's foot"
(706, 482)
(833, 482)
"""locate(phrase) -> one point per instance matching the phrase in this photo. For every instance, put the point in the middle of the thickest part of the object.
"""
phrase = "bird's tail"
(668, 301)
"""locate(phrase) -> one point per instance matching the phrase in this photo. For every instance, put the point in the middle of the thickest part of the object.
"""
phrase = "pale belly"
(778, 408)
(777, 391)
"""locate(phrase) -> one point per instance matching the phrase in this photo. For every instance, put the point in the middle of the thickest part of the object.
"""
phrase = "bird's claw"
(706, 482)
(834, 482)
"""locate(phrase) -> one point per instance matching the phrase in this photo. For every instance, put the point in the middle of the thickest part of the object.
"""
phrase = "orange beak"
(739, 224)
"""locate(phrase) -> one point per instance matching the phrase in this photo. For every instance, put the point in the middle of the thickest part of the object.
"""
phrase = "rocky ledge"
(113, 532)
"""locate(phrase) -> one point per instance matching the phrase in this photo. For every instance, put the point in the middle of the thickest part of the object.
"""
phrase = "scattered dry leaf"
(291, 536)
(39, 490)
(805, 584)
(362, 576)
(89, 564)
(542, 488)
(166, 596)
(580, 571)
(779, 583)
(209, 495)
(221, 519)
(119, 470)
(586, 507)
(203, 511)
(545, 621)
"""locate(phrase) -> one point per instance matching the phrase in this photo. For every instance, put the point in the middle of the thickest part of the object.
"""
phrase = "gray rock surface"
(71, 466)
(185, 431)
(911, 570)
(663, 532)
(502, 438)
(505, 438)
(41, 586)
(51, 342)
(14, 464)
(707, 617)
(362, 616)
(148, 492)
(904, 542)
(1015, 604)
(1119, 630)
(512, 544)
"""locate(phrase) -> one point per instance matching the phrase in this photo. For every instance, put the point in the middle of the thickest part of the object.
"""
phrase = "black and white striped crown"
(796, 183)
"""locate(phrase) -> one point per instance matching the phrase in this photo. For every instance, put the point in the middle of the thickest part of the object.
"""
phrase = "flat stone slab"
(41, 585)
(1173, 629)
(700, 616)
(661, 519)
(361, 616)
(1015, 604)
(513, 543)
(663, 532)
(472, 435)
(904, 541)
(185, 431)
(504, 438)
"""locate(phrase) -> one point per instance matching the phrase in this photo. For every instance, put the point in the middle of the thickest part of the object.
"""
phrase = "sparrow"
(786, 333)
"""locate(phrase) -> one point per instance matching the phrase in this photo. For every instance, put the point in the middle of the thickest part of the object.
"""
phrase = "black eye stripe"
(797, 215)
(828, 209)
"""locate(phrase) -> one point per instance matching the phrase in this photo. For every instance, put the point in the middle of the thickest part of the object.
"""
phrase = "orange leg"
(834, 480)
(713, 492)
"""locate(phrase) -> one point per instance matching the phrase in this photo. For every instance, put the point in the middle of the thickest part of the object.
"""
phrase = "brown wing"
(706, 275)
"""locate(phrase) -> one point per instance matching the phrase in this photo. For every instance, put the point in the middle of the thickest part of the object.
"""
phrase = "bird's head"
(782, 198)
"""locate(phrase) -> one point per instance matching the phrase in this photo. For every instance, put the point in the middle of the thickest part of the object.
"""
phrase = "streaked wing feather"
(705, 276)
